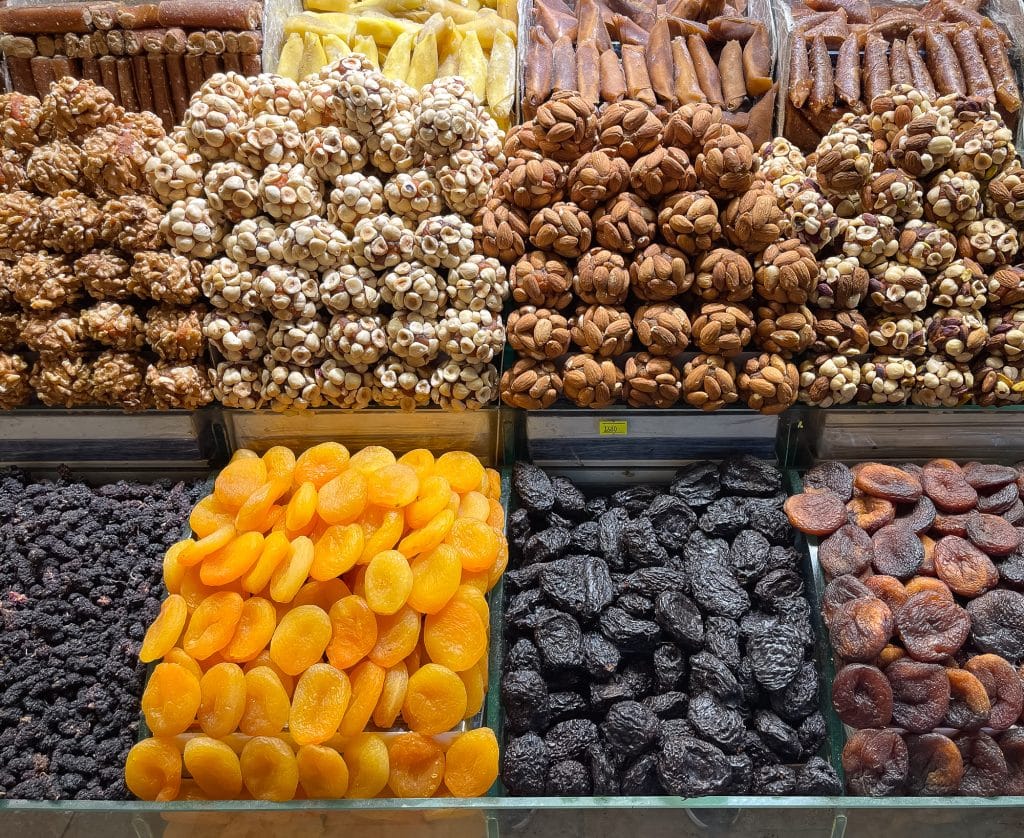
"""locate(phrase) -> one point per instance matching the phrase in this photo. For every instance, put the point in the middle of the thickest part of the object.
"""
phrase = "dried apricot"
(474, 505)
(173, 570)
(888, 482)
(264, 659)
(928, 583)
(847, 550)
(932, 626)
(209, 515)
(152, 770)
(1003, 687)
(475, 681)
(266, 703)
(389, 705)
(890, 653)
(859, 629)
(988, 477)
(994, 535)
(336, 551)
(461, 469)
(434, 494)
(214, 767)
(237, 481)
(371, 458)
(291, 574)
(951, 525)
(232, 561)
(171, 699)
(353, 632)
(253, 632)
(1000, 501)
(471, 763)
(163, 633)
(832, 475)
(496, 515)
(213, 624)
(179, 657)
(420, 460)
(1011, 744)
(382, 528)
(280, 463)
(223, 699)
(870, 513)
(945, 484)
(919, 517)
(194, 553)
(985, 769)
(392, 487)
(300, 639)
(435, 700)
(839, 591)
(875, 762)
(301, 508)
(963, 567)
(928, 565)
(368, 764)
(322, 594)
(969, 704)
(320, 464)
(367, 680)
(816, 513)
(920, 694)
(862, 696)
(426, 539)
(889, 589)
(493, 484)
(323, 773)
(417, 765)
(388, 582)
(269, 770)
(260, 513)
(436, 576)
(321, 698)
(935, 765)
(274, 551)
(475, 543)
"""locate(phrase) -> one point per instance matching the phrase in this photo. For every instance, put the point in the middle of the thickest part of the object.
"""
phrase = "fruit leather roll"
(42, 74)
(822, 79)
(563, 65)
(922, 78)
(733, 28)
(1000, 71)
(126, 84)
(30, 20)
(706, 69)
(730, 70)
(143, 85)
(102, 16)
(943, 62)
(108, 72)
(687, 88)
(847, 75)
(613, 80)
(899, 63)
(800, 82)
(591, 25)
(638, 82)
(979, 83)
(757, 62)
(875, 77)
(142, 16)
(659, 62)
(210, 14)
(537, 83)
(588, 72)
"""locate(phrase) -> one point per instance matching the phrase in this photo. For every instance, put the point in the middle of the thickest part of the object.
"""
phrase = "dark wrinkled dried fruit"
(568, 778)
(611, 526)
(641, 777)
(533, 487)
(724, 517)
(833, 475)
(862, 696)
(1011, 571)
(716, 723)
(812, 733)
(776, 656)
(524, 764)
(777, 735)
(636, 605)
(969, 704)
(1002, 685)
(945, 484)
(697, 483)
(569, 500)
(673, 521)
(847, 550)
(770, 521)
(721, 639)
(799, 699)
(522, 655)
(580, 585)
(870, 513)
(889, 482)
(559, 640)
(985, 769)
(689, 767)
(777, 585)
(860, 629)
(993, 534)
(676, 613)
(546, 546)
(889, 589)
(1011, 744)
(918, 517)
(600, 656)
(671, 705)
(651, 581)
(818, 778)
(1000, 501)
(641, 544)
(570, 739)
(741, 766)
(773, 780)
(750, 476)
(997, 623)
(932, 626)
(627, 633)
(669, 667)
(875, 762)
(950, 524)
(928, 565)
(629, 728)
(524, 695)
(839, 591)
(821, 512)
(709, 674)
(714, 587)
(566, 705)
(748, 556)
(920, 693)
(898, 551)
(988, 477)
(635, 499)
(963, 567)
(604, 777)
(1015, 514)
(935, 765)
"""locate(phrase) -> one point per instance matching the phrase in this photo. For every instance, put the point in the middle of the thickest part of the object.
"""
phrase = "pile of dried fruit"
(926, 621)
(330, 219)
(80, 576)
(659, 640)
(94, 310)
(379, 565)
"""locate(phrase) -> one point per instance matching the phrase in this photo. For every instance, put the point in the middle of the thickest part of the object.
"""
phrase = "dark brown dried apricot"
(890, 653)
(912, 468)
(889, 589)
(999, 501)
(951, 524)
(944, 482)
(839, 591)
(1002, 684)
(875, 762)
(932, 626)
(862, 696)
(928, 583)
(870, 513)
(936, 767)
(1011, 744)
(1015, 514)
(918, 517)
(920, 693)
(997, 623)
(889, 482)
(830, 474)
(969, 704)
(985, 769)
(928, 565)
(988, 477)
(847, 550)
(820, 512)
(860, 629)
(898, 551)
(963, 567)
(993, 534)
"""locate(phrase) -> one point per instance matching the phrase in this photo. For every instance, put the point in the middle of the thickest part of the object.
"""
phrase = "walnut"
(724, 275)
(72, 222)
(501, 231)
(813, 217)
(10, 330)
(892, 193)
(982, 147)
(113, 324)
(1004, 197)
(237, 385)
(480, 282)
(628, 129)
(725, 166)
(55, 166)
(413, 286)
(595, 178)
(786, 272)
(118, 379)
(565, 127)
(1005, 287)
(769, 383)
(329, 151)
(176, 334)
(344, 386)
(73, 107)
(12, 171)
(174, 172)
(840, 333)
(723, 329)
(663, 328)
(783, 329)
(842, 283)
(531, 384)
(460, 386)
(238, 336)
(886, 379)
(286, 191)
(397, 384)
(412, 338)
(447, 117)
(42, 282)
(871, 238)
(355, 196)
(56, 332)
(894, 109)
(539, 333)
(465, 181)
(14, 381)
(179, 386)
(472, 337)
(286, 387)
(691, 125)
(898, 289)
(589, 382)
(659, 273)
(229, 285)
(942, 383)
(287, 293)
(954, 198)
(651, 381)
(897, 334)
(664, 171)
(924, 145)
(603, 331)
(601, 277)
(689, 220)
(961, 284)
(21, 122)
(562, 228)
(709, 382)
(301, 342)
(990, 242)
(753, 220)
(829, 380)
(414, 195)
(997, 381)
(105, 275)
(132, 223)
(381, 242)
(114, 160)
(166, 278)
(231, 190)
(313, 243)
(194, 228)
(62, 381)
(541, 280)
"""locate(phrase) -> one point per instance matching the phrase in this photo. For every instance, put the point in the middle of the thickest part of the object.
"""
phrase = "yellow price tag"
(610, 427)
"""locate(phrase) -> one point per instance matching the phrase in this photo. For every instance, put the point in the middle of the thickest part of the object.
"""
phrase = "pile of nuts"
(330, 218)
(94, 309)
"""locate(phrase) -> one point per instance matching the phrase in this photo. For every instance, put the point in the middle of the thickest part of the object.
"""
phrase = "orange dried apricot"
(275, 549)
(264, 659)
(171, 699)
(474, 505)
(244, 454)
(192, 589)
(455, 636)
(367, 683)
(323, 594)
(475, 542)
(152, 770)
(397, 636)
(493, 484)
(417, 765)
(237, 481)
(355, 579)
(336, 551)
(214, 767)
(435, 578)
(475, 681)
(194, 553)
(420, 460)
(266, 703)
(414, 659)
(280, 463)
(433, 497)
(435, 700)
(478, 579)
(233, 560)
(500, 563)
(320, 463)
(389, 705)
(321, 698)
(301, 508)
(343, 498)
(209, 515)
(371, 458)
(471, 763)
(454, 502)
(259, 512)
(173, 569)
(392, 487)
(291, 574)
(388, 582)
(323, 773)
(353, 632)
(461, 469)
(164, 631)
(381, 530)
(180, 657)
(213, 624)
(269, 770)
(475, 597)
(300, 639)
(253, 632)
(496, 515)
(223, 699)
(366, 756)
(427, 538)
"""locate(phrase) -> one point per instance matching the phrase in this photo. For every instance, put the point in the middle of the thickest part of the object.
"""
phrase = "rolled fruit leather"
(730, 70)
(943, 63)
(556, 23)
(211, 14)
(822, 78)
(638, 82)
(757, 62)
(591, 25)
(998, 63)
(922, 77)
(537, 69)
(659, 62)
(613, 80)
(31, 20)
(979, 83)
(847, 80)
(799, 72)
(563, 65)
(588, 72)
(706, 69)
(899, 63)
(876, 79)
(687, 87)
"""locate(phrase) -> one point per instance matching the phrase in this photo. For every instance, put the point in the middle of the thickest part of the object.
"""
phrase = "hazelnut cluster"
(95, 310)
(338, 254)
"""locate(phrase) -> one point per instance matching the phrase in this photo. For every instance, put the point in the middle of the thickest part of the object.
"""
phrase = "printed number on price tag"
(609, 427)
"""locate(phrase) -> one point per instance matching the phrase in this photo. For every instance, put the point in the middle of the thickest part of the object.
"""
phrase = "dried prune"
(689, 767)
(641, 777)
(724, 517)
(680, 618)
(611, 528)
(533, 486)
(641, 544)
(898, 551)
(522, 606)
(795, 612)
(715, 588)
(779, 584)
(799, 699)
(741, 767)
(701, 547)
(932, 626)
(580, 585)
(673, 521)
(999, 501)
(566, 705)
(519, 527)
(651, 581)
(951, 525)
(767, 518)
(748, 556)
(985, 768)
(628, 634)
(522, 655)
(919, 517)
(812, 733)
(629, 728)
(559, 640)
(963, 567)
(889, 589)
(944, 482)
(969, 704)
(839, 591)
(777, 735)
(818, 778)
(716, 723)
(860, 629)
(1003, 687)
(546, 545)
(604, 775)
(870, 513)
(721, 639)
(524, 765)
(757, 749)
(697, 483)
(569, 500)
(670, 705)
(876, 762)
(524, 695)
(780, 558)
(997, 623)
(920, 693)
(635, 499)
(709, 674)
(776, 656)
(570, 739)
(600, 656)
(1011, 744)
(988, 477)
(819, 513)
(568, 778)
(603, 696)
(636, 605)
(747, 475)
(935, 765)
(773, 779)
(833, 475)
(847, 550)
(524, 578)
(669, 667)
(862, 696)
(993, 534)
(884, 481)
(584, 538)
